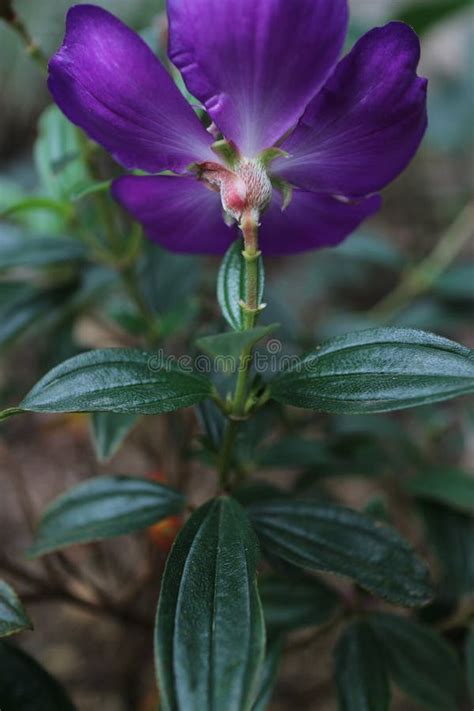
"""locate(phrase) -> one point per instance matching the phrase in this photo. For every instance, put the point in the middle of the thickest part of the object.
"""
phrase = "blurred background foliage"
(67, 283)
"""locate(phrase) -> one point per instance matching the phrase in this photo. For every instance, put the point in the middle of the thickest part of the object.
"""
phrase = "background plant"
(67, 254)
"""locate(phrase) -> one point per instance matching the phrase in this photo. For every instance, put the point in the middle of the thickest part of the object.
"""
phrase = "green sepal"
(270, 154)
(227, 150)
(285, 190)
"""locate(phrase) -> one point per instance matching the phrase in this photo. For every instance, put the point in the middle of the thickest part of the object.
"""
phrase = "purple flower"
(268, 75)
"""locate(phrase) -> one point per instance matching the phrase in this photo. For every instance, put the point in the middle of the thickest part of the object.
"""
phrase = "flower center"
(244, 189)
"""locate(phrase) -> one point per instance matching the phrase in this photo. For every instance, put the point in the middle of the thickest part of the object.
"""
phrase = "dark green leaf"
(377, 508)
(213, 422)
(421, 15)
(232, 285)
(210, 635)
(420, 662)
(257, 491)
(359, 671)
(228, 346)
(58, 155)
(470, 662)
(25, 686)
(451, 534)
(168, 281)
(104, 507)
(292, 602)
(371, 249)
(428, 314)
(269, 674)
(448, 486)
(19, 250)
(378, 370)
(13, 617)
(116, 380)
(29, 309)
(457, 283)
(109, 429)
(293, 453)
(345, 542)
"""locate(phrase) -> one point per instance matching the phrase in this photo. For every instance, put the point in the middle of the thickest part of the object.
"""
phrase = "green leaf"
(360, 672)
(210, 634)
(10, 192)
(25, 686)
(168, 281)
(457, 283)
(378, 370)
(116, 380)
(104, 507)
(228, 346)
(451, 534)
(370, 249)
(256, 491)
(377, 508)
(109, 430)
(20, 250)
(345, 542)
(232, 285)
(29, 309)
(421, 15)
(469, 652)
(13, 617)
(58, 155)
(213, 423)
(269, 674)
(10, 412)
(293, 453)
(448, 486)
(295, 601)
(420, 662)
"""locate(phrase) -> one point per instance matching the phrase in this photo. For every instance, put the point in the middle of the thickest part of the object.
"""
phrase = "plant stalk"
(251, 254)
(32, 48)
(424, 275)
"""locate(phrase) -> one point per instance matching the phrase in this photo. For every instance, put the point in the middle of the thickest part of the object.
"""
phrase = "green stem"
(33, 49)
(125, 266)
(421, 278)
(249, 226)
(225, 455)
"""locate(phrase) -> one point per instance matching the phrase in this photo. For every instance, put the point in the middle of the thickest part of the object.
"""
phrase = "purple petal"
(180, 213)
(108, 81)
(312, 221)
(366, 124)
(255, 64)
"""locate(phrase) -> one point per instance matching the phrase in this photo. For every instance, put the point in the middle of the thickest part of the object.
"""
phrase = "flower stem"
(251, 254)
(32, 48)
(424, 275)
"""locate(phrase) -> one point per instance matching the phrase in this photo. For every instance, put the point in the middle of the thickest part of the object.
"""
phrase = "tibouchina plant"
(273, 145)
